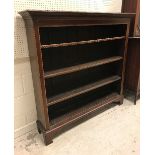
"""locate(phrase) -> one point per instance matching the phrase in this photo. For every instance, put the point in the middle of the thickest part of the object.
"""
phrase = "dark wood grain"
(81, 42)
(132, 73)
(81, 112)
(81, 67)
(129, 6)
(81, 90)
(37, 71)
(132, 79)
(133, 6)
(104, 87)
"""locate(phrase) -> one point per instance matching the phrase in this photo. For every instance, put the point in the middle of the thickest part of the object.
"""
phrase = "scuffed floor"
(113, 132)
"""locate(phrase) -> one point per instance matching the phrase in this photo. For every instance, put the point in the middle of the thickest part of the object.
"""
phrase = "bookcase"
(78, 64)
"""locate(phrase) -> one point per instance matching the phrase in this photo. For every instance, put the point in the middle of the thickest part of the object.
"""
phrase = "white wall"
(24, 102)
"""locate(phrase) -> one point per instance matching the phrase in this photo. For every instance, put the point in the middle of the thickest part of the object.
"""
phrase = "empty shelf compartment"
(81, 66)
(62, 57)
(81, 90)
(79, 106)
(68, 82)
(57, 35)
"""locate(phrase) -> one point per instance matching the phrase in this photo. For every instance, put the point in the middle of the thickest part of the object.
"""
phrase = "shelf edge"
(84, 66)
(116, 98)
(82, 90)
(81, 42)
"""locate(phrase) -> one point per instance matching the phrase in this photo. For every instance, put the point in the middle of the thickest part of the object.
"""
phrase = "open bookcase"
(78, 64)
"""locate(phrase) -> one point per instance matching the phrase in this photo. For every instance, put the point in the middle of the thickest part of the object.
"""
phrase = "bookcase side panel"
(36, 73)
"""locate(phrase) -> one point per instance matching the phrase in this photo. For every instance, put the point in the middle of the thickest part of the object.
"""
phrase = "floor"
(113, 132)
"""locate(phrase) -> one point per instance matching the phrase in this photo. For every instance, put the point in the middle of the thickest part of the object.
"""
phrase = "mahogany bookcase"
(78, 64)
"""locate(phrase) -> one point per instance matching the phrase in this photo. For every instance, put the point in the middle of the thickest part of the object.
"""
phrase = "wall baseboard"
(25, 129)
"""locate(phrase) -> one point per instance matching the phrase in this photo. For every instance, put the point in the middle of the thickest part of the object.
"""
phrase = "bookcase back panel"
(55, 35)
(70, 105)
(75, 80)
(60, 57)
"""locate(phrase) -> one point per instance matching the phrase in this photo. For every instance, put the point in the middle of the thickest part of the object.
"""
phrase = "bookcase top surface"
(37, 13)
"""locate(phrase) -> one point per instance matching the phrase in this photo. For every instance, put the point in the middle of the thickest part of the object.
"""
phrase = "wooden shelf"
(81, 67)
(135, 37)
(81, 42)
(81, 90)
(83, 111)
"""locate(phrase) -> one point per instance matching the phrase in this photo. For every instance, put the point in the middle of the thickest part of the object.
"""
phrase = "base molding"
(25, 129)
(53, 131)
